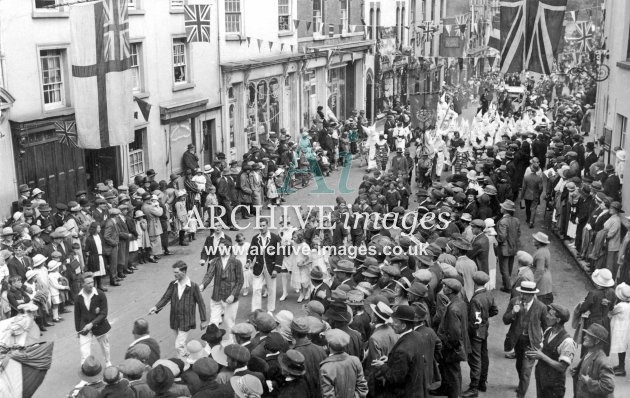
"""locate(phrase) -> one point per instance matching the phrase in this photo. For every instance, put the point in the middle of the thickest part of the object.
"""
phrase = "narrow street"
(143, 289)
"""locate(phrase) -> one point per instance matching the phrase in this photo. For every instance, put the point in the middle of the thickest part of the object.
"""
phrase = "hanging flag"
(329, 55)
(240, 40)
(352, 28)
(543, 33)
(308, 25)
(281, 46)
(145, 107)
(291, 47)
(583, 42)
(24, 370)
(447, 29)
(573, 15)
(296, 23)
(270, 45)
(249, 40)
(197, 22)
(259, 43)
(103, 100)
(66, 133)
(494, 36)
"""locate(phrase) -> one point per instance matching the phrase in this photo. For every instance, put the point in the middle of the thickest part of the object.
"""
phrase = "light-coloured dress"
(301, 264)
(240, 252)
(620, 327)
(492, 263)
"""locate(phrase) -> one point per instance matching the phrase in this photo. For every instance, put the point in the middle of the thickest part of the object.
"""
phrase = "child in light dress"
(212, 203)
(300, 261)
(491, 233)
(55, 288)
(240, 250)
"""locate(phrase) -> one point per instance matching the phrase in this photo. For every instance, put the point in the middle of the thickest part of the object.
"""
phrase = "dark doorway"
(209, 132)
(102, 164)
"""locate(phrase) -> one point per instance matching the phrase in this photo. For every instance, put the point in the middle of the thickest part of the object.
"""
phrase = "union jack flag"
(585, 33)
(530, 34)
(66, 133)
(116, 30)
(197, 22)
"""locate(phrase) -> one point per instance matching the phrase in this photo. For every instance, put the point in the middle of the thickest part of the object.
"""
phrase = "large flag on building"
(197, 22)
(530, 33)
(494, 34)
(23, 370)
(101, 75)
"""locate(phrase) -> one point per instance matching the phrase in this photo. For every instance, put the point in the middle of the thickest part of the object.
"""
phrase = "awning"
(182, 108)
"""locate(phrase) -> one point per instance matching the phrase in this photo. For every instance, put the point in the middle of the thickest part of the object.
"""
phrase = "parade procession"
(388, 198)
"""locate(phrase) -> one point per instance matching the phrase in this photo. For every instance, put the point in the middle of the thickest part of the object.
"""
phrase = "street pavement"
(144, 288)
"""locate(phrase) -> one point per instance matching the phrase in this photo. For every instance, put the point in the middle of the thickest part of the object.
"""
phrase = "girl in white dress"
(55, 288)
(318, 257)
(491, 233)
(240, 250)
(301, 262)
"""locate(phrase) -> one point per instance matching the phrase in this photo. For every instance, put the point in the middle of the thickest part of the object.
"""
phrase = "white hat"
(39, 259)
(53, 265)
(528, 287)
(17, 215)
(37, 191)
(603, 277)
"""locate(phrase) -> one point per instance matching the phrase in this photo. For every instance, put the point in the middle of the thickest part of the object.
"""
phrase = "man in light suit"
(227, 273)
(265, 254)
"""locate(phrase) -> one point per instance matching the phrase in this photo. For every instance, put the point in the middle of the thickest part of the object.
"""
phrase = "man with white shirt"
(227, 273)
(141, 335)
(266, 256)
(184, 295)
(90, 318)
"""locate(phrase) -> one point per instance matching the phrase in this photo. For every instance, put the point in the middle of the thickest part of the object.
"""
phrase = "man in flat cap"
(555, 356)
(453, 332)
(480, 245)
(482, 308)
(313, 355)
(341, 375)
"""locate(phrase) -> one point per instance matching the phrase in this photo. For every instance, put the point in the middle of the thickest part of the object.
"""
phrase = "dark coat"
(537, 323)
(183, 315)
(453, 331)
(190, 161)
(207, 251)
(479, 252)
(91, 255)
(409, 367)
(272, 256)
(481, 308)
(96, 314)
(327, 292)
(118, 390)
(19, 268)
(153, 345)
(313, 356)
(293, 389)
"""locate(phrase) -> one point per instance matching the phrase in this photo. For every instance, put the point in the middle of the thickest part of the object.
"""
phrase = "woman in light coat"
(491, 233)
(152, 210)
(619, 327)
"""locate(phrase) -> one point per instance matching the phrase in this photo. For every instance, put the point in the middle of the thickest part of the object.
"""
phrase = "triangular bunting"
(240, 40)
(270, 45)
(281, 46)
(296, 23)
(249, 40)
(329, 54)
(259, 43)
(353, 28)
(308, 25)
(145, 107)
(573, 15)
(447, 28)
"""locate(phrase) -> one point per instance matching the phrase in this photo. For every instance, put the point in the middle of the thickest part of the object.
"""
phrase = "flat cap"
(315, 306)
(453, 284)
(300, 325)
(480, 278)
(243, 329)
(206, 367)
(132, 367)
(337, 339)
(238, 353)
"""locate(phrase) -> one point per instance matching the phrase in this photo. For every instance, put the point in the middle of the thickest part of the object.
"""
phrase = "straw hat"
(603, 277)
(528, 287)
(622, 291)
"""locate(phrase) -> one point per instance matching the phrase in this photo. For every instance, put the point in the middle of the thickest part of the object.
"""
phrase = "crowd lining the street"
(377, 326)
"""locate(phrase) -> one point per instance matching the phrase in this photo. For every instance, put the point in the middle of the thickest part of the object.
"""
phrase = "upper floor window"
(345, 12)
(284, 15)
(177, 4)
(232, 16)
(53, 85)
(180, 59)
(318, 15)
(136, 65)
(45, 4)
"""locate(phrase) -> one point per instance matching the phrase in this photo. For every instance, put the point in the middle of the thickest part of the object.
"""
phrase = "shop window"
(337, 91)
(310, 98)
(284, 15)
(318, 15)
(136, 153)
(53, 87)
(232, 16)
(131, 5)
(135, 57)
(180, 66)
(263, 108)
(345, 12)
